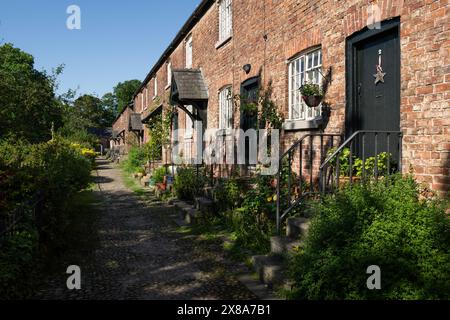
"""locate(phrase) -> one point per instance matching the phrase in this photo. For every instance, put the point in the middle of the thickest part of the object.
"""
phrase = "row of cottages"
(386, 62)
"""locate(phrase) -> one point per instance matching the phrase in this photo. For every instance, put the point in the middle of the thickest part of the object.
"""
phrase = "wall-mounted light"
(247, 68)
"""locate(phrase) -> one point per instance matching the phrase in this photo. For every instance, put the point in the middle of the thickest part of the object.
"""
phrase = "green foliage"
(344, 163)
(383, 159)
(29, 106)
(16, 258)
(384, 224)
(270, 116)
(137, 157)
(253, 221)
(55, 170)
(310, 89)
(124, 92)
(158, 175)
(228, 194)
(249, 108)
(155, 143)
(187, 184)
(262, 106)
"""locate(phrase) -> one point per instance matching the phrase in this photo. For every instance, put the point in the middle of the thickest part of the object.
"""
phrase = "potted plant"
(312, 94)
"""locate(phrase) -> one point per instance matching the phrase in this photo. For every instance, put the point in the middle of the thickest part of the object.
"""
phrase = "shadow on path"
(140, 254)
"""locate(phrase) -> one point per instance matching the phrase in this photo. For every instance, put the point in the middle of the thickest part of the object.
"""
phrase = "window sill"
(168, 86)
(295, 125)
(154, 98)
(224, 132)
(220, 44)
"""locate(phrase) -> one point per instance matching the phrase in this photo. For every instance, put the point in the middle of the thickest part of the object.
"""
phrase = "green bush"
(384, 224)
(228, 194)
(56, 170)
(137, 157)
(158, 175)
(253, 222)
(187, 185)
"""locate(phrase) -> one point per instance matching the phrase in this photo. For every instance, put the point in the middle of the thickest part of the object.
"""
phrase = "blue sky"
(118, 40)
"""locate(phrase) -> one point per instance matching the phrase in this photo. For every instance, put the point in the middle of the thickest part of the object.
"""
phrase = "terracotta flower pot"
(274, 183)
(312, 101)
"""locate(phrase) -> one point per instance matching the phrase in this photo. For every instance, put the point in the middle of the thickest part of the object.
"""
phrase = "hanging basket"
(312, 101)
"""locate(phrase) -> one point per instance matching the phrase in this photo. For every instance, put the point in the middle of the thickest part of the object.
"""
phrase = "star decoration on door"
(379, 76)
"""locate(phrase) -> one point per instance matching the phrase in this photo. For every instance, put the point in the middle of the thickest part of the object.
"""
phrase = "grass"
(132, 184)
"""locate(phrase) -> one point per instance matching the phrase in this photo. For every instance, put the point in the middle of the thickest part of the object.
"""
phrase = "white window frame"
(146, 98)
(189, 49)
(155, 87)
(189, 132)
(169, 73)
(225, 19)
(142, 100)
(226, 108)
(303, 68)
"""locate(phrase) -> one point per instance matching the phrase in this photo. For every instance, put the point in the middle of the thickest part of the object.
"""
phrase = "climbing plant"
(263, 106)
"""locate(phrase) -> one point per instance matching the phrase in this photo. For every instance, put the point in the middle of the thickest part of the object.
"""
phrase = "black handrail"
(288, 154)
(349, 143)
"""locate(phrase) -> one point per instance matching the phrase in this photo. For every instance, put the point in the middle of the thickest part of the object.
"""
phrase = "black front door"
(249, 94)
(373, 67)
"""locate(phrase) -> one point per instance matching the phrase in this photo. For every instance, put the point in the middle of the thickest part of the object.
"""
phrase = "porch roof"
(116, 134)
(156, 111)
(188, 87)
(135, 122)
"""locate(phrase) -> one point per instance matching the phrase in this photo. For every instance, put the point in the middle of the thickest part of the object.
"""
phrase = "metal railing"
(330, 170)
(288, 202)
(10, 221)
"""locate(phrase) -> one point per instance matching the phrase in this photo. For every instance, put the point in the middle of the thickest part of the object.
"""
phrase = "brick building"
(389, 63)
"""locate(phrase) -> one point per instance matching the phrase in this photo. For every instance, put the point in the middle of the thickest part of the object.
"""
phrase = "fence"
(10, 222)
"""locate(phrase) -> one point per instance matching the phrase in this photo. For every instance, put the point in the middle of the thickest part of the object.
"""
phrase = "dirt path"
(140, 254)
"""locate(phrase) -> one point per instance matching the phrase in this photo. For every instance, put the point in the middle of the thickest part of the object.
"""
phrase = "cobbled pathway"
(141, 254)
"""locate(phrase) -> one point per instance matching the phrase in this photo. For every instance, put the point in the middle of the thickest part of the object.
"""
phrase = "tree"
(124, 92)
(28, 103)
(109, 102)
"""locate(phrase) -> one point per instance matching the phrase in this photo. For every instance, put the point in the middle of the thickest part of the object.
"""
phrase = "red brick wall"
(122, 123)
(292, 26)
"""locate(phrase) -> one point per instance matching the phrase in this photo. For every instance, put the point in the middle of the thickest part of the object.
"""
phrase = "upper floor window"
(169, 73)
(155, 87)
(146, 98)
(303, 69)
(141, 96)
(225, 19)
(189, 52)
(225, 109)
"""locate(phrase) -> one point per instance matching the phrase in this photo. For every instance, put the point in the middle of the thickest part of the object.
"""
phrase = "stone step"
(205, 205)
(190, 216)
(270, 269)
(281, 245)
(297, 227)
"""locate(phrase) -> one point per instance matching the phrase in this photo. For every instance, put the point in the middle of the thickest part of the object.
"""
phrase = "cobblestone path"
(141, 254)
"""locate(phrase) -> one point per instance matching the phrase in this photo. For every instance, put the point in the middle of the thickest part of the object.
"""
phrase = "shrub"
(55, 170)
(253, 221)
(187, 185)
(158, 175)
(137, 157)
(228, 194)
(382, 224)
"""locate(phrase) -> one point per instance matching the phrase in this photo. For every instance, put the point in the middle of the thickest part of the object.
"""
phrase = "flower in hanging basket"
(312, 94)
